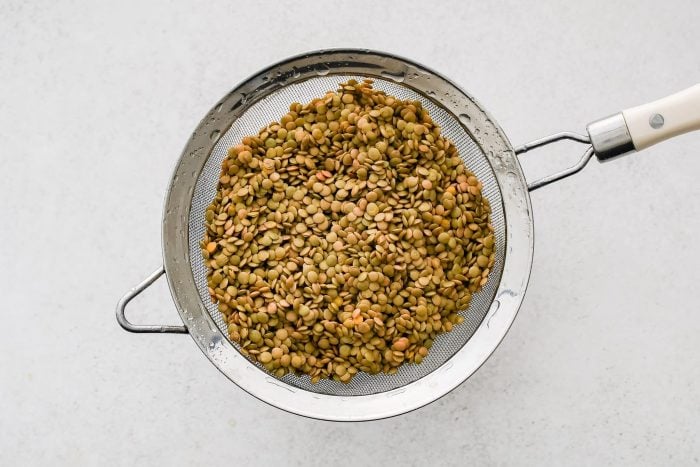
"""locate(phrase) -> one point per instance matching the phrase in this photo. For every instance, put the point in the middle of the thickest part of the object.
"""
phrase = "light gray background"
(96, 101)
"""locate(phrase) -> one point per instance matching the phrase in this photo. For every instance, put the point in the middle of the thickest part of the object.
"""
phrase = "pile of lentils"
(345, 237)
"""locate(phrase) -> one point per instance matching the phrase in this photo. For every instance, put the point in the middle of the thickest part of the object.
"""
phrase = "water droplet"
(492, 311)
(214, 135)
(508, 292)
(218, 107)
(465, 118)
(396, 392)
(397, 76)
(323, 69)
(242, 101)
(265, 78)
(295, 73)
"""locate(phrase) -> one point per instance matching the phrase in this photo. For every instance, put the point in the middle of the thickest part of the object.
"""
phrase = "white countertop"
(602, 365)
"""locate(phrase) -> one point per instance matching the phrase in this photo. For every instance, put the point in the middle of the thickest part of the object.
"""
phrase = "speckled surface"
(602, 365)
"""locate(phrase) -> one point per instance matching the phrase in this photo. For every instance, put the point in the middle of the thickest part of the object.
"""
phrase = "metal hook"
(565, 135)
(121, 308)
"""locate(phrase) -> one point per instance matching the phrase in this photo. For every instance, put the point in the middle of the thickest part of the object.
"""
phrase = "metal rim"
(519, 231)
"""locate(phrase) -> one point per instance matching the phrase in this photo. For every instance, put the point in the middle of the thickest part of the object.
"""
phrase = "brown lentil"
(345, 237)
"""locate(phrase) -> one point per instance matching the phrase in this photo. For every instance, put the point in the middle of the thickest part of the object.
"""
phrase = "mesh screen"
(272, 108)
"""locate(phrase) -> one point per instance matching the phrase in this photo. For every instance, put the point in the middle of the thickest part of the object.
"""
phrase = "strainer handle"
(568, 172)
(627, 131)
(121, 307)
(647, 124)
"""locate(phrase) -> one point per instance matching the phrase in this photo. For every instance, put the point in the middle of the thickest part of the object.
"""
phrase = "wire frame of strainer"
(264, 98)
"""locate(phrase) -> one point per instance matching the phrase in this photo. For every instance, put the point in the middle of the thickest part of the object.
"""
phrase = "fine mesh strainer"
(264, 98)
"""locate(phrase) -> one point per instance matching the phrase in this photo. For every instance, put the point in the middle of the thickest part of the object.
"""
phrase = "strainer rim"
(362, 407)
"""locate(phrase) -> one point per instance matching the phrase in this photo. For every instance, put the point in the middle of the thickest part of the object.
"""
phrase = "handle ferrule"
(610, 137)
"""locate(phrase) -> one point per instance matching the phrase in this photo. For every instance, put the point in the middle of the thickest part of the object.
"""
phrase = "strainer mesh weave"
(272, 108)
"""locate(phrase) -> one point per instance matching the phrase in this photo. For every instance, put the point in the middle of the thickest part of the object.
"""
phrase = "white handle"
(665, 118)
